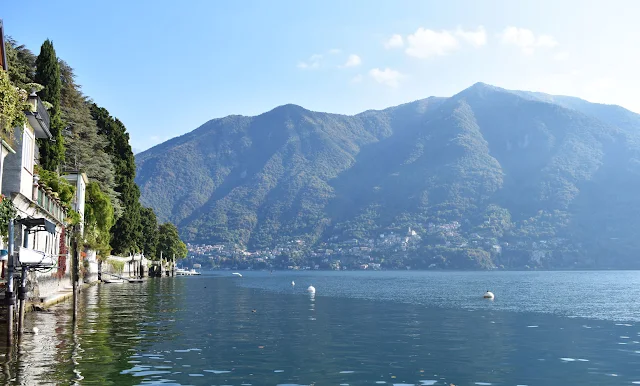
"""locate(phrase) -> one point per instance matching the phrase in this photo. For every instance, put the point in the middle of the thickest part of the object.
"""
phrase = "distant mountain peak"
(481, 87)
(289, 108)
(529, 175)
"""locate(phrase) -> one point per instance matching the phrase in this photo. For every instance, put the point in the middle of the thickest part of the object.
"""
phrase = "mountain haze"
(488, 177)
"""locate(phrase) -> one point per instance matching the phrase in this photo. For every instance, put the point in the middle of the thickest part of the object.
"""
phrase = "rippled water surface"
(361, 328)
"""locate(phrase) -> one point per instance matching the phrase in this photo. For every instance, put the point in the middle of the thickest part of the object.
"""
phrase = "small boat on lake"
(184, 272)
(113, 281)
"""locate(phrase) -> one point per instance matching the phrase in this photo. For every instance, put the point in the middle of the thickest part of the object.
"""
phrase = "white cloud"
(546, 41)
(526, 40)
(312, 63)
(521, 37)
(335, 51)
(425, 43)
(387, 76)
(561, 56)
(476, 38)
(356, 79)
(353, 61)
(394, 41)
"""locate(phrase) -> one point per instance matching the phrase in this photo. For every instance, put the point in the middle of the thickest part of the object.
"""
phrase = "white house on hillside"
(80, 181)
(41, 225)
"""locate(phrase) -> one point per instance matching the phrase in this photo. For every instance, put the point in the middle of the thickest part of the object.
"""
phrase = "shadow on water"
(95, 346)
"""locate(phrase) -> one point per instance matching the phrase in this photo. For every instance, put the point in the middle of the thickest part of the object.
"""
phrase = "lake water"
(361, 328)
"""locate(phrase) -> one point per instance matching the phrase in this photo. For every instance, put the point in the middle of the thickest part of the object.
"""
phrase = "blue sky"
(166, 67)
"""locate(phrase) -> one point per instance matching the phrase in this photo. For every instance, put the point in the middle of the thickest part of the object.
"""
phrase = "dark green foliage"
(487, 178)
(126, 234)
(150, 232)
(65, 191)
(169, 242)
(84, 146)
(48, 75)
(7, 212)
(12, 106)
(99, 218)
(22, 63)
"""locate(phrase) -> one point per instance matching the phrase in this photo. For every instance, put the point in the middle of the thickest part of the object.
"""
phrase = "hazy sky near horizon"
(166, 67)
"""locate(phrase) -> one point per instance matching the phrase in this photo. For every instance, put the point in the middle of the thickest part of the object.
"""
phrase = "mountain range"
(486, 178)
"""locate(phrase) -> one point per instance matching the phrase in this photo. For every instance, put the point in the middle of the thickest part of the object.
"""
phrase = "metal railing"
(49, 204)
(43, 114)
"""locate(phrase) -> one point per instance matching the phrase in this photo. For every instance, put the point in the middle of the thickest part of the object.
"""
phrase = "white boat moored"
(184, 272)
(113, 281)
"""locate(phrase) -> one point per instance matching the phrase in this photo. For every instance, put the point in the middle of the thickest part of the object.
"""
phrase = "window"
(28, 149)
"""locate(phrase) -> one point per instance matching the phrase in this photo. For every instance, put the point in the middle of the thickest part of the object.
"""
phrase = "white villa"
(41, 224)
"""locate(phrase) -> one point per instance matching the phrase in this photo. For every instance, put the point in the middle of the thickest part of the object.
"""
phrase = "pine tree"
(48, 75)
(126, 234)
(84, 146)
(22, 63)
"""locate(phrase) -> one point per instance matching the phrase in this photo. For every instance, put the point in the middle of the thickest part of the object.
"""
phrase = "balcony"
(38, 116)
(49, 202)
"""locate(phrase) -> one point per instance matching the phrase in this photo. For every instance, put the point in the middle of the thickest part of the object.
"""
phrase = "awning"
(38, 225)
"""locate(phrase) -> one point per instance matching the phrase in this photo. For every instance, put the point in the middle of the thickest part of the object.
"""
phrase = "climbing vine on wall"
(62, 256)
(13, 103)
(7, 212)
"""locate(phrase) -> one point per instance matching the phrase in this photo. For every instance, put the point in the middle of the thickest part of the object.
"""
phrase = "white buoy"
(311, 289)
(36, 330)
(488, 295)
(293, 283)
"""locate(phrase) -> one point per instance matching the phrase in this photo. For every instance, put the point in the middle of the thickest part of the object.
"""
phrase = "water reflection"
(206, 330)
(94, 344)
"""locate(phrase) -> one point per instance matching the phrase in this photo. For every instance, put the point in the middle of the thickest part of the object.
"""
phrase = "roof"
(38, 224)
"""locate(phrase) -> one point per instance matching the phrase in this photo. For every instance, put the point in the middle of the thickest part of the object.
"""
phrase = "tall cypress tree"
(48, 75)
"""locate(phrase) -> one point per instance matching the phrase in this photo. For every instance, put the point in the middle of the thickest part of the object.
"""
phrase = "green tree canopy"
(12, 105)
(126, 234)
(98, 220)
(169, 242)
(150, 232)
(48, 75)
(84, 146)
(22, 63)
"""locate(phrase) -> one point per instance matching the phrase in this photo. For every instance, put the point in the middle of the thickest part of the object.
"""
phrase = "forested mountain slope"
(488, 177)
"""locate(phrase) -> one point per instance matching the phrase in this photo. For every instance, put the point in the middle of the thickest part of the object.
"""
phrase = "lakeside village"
(57, 221)
(294, 255)
(390, 250)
